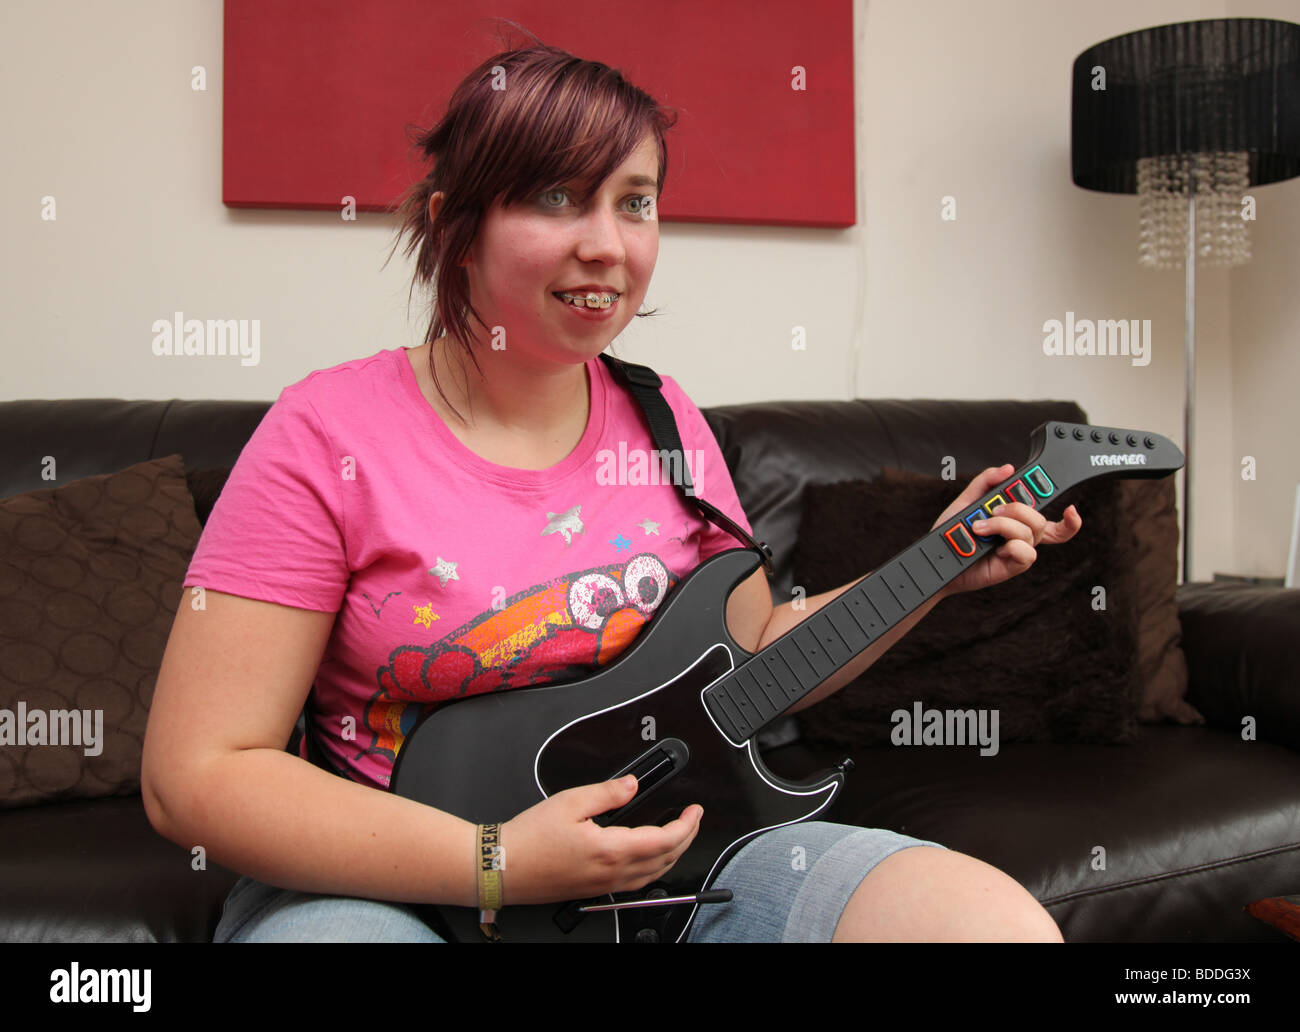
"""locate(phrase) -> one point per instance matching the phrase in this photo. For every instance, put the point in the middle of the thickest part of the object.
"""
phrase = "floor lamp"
(1189, 117)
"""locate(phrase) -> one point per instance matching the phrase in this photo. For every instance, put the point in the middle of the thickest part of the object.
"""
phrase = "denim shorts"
(790, 884)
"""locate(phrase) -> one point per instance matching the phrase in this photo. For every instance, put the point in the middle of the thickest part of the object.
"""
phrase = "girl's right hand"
(554, 852)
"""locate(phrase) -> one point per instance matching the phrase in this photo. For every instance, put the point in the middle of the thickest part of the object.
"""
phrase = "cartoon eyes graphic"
(594, 596)
(645, 582)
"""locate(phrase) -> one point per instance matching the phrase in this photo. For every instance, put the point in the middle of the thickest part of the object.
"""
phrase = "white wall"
(1264, 367)
(953, 99)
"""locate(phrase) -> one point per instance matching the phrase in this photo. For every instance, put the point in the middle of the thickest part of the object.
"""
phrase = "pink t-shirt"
(451, 575)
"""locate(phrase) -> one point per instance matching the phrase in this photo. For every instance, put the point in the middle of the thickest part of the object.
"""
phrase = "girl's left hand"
(1021, 525)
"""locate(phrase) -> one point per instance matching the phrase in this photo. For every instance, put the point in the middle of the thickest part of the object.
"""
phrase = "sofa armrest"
(1240, 643)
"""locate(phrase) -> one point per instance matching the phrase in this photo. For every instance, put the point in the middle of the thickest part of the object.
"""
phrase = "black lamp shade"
(1226, 84)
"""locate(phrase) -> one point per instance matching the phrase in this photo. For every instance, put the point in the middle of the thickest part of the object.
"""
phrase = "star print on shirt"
(445, 571)
(620, 543)
(649, 526)
(565, 523)
(425, 615)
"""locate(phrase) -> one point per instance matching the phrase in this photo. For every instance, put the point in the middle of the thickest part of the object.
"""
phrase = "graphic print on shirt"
(686, 530)
(380, 610)
(445, 570)
(566, 523)
(557, 631)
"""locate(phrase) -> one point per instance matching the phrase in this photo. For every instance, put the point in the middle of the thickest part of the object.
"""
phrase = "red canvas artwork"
(317, 96)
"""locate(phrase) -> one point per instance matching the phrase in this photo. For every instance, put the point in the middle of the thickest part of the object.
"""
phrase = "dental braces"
(592, 300)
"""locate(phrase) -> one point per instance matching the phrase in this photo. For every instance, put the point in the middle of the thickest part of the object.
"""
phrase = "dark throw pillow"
(90, 578)
(1151, 521)
(1039, 648)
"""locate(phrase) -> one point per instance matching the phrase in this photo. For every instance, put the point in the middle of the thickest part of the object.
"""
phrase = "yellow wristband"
(490, 866)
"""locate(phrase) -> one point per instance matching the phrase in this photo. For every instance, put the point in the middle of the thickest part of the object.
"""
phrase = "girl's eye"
(642, 206)
(639, 202)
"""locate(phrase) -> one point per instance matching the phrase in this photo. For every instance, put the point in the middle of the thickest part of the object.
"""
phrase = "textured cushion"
(1033, 648)
(90, 579)
(1149, 522)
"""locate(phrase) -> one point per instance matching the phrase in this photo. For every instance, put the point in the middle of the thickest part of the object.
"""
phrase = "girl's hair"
(524, 120)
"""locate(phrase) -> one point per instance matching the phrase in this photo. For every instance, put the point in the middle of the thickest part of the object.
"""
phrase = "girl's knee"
(924, 894)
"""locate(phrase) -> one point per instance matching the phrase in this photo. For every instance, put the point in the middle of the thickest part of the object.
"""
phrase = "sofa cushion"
(1164, 843)
(1038, 650)
(97, 871)
(90, 579)
(1242, 662)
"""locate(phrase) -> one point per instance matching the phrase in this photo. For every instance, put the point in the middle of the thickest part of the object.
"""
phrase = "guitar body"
(680, 708)
(490, 757)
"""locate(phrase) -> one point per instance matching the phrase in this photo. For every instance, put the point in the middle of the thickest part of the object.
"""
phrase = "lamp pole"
(1189, 404)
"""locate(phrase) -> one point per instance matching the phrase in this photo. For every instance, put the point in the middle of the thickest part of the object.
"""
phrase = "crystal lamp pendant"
(1222, 180)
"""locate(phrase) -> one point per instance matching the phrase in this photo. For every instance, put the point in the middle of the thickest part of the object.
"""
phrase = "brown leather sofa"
(1197, 822)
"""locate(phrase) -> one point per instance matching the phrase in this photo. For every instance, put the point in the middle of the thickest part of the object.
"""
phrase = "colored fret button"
(993, 503)
(1020, 493)
(1040, 482)
(971, 521)
(960, 541)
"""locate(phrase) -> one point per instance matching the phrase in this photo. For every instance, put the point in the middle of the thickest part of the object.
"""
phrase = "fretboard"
(1062, 456)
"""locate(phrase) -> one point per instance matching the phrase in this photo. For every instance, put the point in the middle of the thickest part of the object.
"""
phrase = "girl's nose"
(600, 238)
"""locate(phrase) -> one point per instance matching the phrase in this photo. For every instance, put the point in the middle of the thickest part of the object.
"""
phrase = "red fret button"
(1020, 493)
(961, 541)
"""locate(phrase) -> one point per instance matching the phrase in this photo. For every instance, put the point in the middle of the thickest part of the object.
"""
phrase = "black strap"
(315, 754)
(645, 386)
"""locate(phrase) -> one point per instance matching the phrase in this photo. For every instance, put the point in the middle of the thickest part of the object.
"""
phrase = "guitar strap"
(645, 386)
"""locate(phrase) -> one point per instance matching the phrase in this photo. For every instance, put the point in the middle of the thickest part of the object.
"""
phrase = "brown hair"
(501, 144)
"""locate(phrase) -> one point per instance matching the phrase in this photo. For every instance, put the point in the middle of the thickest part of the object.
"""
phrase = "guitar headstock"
(1070, 453)
(1061, 456)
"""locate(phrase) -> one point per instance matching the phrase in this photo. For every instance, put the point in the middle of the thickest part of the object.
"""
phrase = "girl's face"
(552, 243)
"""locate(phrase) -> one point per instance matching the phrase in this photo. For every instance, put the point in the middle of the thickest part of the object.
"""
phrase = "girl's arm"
(215, 774)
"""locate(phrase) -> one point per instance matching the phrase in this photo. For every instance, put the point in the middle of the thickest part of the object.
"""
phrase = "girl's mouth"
(589, 306)
(592, 299)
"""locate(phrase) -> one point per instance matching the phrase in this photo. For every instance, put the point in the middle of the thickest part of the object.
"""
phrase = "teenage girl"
(426, 523)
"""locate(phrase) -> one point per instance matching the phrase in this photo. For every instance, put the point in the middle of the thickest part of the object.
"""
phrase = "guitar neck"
(1062, 455)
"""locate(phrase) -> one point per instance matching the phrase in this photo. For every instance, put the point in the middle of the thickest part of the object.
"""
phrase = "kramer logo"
(1131, 459)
